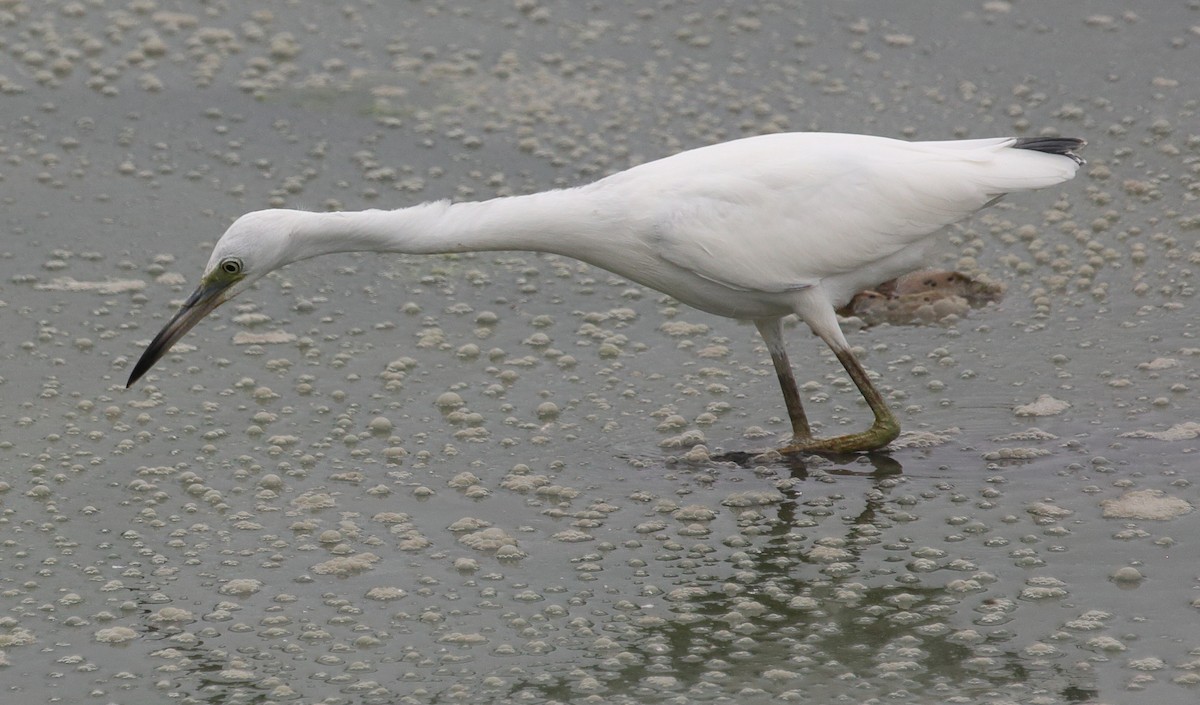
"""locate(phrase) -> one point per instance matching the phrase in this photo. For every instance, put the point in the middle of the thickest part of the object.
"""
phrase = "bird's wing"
(772, 222)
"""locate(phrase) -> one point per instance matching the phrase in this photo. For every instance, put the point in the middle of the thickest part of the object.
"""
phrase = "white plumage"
(756, 228)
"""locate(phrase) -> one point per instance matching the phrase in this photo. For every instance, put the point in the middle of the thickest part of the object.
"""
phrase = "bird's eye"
(231, 266)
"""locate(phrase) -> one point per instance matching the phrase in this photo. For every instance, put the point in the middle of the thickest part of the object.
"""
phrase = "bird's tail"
(1052, 145)
(1023, 164)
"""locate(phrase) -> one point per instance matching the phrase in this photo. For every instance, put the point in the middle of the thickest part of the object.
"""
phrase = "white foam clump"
(116, 635)
(1185, 431)
(268, 338)
(1044, 405)
(1145, 504)
(116, 286)
(343, 566)
(241, 587)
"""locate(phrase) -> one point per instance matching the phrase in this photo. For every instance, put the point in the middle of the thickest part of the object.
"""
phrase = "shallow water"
(488, 477)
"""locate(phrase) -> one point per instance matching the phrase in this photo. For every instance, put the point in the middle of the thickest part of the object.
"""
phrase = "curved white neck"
(567, 222)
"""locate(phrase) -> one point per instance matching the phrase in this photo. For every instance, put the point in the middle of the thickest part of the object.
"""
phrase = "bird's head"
(255, 244)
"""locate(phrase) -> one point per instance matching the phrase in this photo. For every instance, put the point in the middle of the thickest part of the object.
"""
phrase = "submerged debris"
(922, 297)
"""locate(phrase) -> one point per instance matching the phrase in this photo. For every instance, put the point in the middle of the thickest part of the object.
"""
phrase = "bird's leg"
(772, 332)
(791, 397)
(884, 430)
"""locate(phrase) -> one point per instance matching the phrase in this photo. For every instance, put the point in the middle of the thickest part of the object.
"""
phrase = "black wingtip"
(1052, 145)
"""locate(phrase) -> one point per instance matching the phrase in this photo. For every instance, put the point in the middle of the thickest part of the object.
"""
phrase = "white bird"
(756, 228)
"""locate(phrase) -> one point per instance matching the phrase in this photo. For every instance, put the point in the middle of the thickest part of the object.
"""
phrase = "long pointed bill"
(203, 300)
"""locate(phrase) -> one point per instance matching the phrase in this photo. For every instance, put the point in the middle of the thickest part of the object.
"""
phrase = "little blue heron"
(756, 229)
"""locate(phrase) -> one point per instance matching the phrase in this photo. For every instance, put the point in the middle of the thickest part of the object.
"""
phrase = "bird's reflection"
(820, 588)
(882, 464)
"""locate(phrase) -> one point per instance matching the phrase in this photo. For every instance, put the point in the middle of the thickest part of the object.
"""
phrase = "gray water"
(488, 478)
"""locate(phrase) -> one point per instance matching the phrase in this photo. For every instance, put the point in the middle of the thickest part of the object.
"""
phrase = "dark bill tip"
(198, 305)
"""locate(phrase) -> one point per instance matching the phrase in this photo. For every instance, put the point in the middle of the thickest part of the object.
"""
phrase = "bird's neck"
(566, 222)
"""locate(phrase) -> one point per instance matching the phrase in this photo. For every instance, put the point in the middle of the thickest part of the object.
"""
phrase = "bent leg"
(816, 310)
